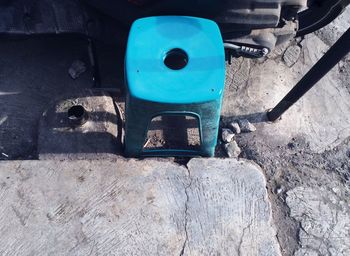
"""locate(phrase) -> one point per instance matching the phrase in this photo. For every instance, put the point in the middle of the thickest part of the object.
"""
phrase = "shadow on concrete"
(33, 72)
(173, 132)
(99, 135)
(259, 117)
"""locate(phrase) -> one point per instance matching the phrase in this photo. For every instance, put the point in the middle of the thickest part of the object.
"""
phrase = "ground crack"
(186, 213)
(242, 237)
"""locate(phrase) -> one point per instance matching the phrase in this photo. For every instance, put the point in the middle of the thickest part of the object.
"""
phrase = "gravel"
(234, 127)
(246, 126)
(227, 135)
(232, 149)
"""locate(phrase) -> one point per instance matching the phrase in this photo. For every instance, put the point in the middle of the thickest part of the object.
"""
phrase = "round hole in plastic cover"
(176, 59)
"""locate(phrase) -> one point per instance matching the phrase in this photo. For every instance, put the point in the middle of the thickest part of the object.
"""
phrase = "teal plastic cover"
(152, 38)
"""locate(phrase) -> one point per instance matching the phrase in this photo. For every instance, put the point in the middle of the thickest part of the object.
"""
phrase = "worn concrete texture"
(308, 148)
(324, 217)
(99, 137)
(228, 208)
(129, 207)
(270, 80)
(335, 29)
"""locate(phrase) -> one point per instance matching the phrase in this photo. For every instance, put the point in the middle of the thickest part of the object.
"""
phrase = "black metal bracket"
(96, 78)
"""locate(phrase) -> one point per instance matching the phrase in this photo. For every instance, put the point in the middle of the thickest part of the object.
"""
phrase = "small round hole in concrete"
(176, 59)
(77, 115)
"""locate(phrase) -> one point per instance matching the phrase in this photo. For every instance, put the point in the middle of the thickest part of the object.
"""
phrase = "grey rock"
(76, 69)
(246, 126)
(232, 149)
(234, 127)
(291, 55)
(227, 135)
(279, 50)
(325, 220)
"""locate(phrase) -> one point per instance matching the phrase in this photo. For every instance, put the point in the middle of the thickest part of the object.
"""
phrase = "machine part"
(319, 70)
(231, 15)
(20, 17)
(244, 51)
(94, 64)
(264, 38)
(250, 22)
(77, 115)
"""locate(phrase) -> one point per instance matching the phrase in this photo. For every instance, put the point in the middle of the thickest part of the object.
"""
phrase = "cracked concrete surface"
(305, 151)
(271, 80)
(324, 217)
(128, 207)
(229, 210)
(92, 208)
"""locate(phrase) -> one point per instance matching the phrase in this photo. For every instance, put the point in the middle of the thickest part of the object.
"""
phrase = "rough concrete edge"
(299, 222)
(255, 166)
(186, 184)
(186, 169)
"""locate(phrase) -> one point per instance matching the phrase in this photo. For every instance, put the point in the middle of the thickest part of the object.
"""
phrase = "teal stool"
(174, 65)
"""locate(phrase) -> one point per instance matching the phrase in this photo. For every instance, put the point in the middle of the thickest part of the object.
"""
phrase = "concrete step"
(132, 207)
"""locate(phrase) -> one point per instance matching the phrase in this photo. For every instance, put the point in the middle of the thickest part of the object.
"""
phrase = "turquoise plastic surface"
(148, 78)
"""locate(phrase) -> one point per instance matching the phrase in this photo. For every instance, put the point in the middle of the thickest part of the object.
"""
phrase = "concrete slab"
(96, 139)
(92, 208)
(213, 207)
(324, 218)
(229, 212)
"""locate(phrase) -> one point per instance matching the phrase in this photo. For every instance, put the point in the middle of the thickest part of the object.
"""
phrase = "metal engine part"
(249, 23)
(253, 24)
